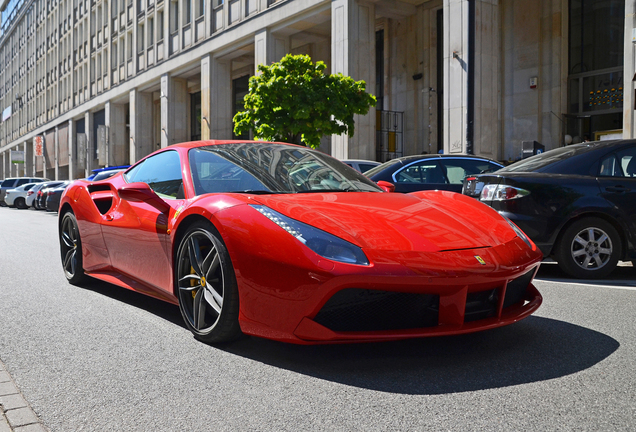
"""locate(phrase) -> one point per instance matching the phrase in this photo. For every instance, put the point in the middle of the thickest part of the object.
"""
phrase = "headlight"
(319, 241)
(520, 233)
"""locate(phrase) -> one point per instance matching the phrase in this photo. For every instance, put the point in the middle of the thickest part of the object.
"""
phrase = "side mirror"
(386, 186)
(141, 192)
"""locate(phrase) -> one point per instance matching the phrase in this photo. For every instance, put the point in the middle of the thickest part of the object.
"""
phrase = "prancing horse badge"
(480, 259)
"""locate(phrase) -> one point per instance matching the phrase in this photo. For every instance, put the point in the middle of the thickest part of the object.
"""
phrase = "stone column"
(457, 62)
(29, 159)
(56, 162)
(72, 150)
(220, 110)
(629, 102)
(118, 153)
(90, 143)
(353, 54)
(140, 125)
(268, 48)
(206, 89)
(5, 168)
(174, 110)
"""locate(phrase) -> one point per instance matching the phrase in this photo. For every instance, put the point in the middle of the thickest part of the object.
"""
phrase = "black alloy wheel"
(589, 249)
(71, 249)
(206, 285)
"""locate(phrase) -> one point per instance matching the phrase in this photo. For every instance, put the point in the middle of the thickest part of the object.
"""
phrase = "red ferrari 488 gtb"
(284, 242)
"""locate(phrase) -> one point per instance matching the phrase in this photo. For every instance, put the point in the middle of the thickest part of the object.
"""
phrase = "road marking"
(628, 285)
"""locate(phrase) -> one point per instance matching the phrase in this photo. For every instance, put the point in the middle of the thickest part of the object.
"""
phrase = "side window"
(421, 172)
(619, 164)
(22, 181)
(162, 173)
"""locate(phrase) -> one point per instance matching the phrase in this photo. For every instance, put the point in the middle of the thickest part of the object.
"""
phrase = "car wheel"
(589, 248)
(71, 249)
(20, 203)
(206, 285)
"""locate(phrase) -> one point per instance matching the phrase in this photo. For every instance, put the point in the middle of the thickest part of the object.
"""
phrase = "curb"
(16, 414)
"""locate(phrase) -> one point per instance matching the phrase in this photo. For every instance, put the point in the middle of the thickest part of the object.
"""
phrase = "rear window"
(541, 161)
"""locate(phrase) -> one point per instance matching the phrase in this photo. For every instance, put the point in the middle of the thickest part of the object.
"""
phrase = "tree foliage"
(294, 101)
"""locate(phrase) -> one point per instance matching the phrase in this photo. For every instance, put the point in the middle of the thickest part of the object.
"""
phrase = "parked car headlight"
(319, 241)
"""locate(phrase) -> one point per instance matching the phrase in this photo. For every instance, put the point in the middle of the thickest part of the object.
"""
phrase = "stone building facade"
(90, 83)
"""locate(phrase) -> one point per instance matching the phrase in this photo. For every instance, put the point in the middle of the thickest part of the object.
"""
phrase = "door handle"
(619, 189)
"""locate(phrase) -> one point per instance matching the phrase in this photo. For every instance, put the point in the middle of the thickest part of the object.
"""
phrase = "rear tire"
(71, 249)
(20, 203)
(206, 285)
(589, 249)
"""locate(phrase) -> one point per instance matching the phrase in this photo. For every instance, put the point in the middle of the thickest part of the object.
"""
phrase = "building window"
(159, 26)
(151, 32)
(195, 116)
(174, 16)
(240, 88)
(595, 81)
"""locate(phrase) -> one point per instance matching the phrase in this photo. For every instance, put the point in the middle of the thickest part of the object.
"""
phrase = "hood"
(426, 222)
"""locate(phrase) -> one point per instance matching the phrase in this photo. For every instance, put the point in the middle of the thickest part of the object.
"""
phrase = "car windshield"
(271, 168)
(539, 162)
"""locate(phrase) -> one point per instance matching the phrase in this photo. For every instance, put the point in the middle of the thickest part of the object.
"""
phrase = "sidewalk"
(15, 413)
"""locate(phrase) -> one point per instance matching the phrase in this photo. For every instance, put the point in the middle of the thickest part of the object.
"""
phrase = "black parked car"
(40, 200)
(53, 195)
(430, 172)
(577, 203)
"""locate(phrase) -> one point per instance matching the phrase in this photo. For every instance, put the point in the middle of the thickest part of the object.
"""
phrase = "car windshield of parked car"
(271, 168)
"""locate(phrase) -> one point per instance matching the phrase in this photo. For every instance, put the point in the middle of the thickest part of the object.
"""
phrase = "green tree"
(294, 101)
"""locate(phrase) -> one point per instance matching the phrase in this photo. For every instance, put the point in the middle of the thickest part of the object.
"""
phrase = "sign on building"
(39, 146)
(17, 156)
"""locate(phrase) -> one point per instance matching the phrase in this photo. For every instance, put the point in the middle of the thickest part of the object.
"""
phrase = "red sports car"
(284, 242)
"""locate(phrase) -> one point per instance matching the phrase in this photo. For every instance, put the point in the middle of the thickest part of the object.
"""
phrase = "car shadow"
(535, 349)
(162, 309)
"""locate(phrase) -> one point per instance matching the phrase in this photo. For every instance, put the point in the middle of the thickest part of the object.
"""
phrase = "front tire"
(206, 285)
(589, 249)
(71, 249)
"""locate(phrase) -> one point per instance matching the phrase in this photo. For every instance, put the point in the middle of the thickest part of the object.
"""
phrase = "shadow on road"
(535, 349)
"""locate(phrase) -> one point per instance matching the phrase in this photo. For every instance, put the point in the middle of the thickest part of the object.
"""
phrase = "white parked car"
(17, 197)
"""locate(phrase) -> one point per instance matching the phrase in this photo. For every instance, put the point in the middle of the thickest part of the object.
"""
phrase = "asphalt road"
(102, 358)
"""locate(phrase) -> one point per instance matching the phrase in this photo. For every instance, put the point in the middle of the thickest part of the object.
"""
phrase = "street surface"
(102, 358)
